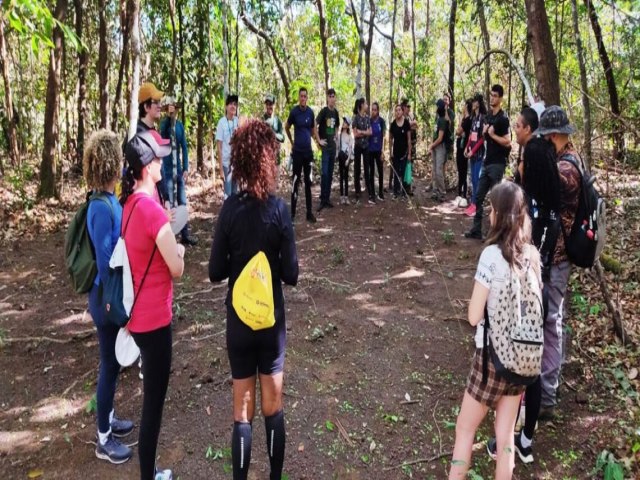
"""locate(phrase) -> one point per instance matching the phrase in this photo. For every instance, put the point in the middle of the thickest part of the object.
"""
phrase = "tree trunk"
(126, 13)
(237, 45)
(544, 56)
(618, 135)
(202, 16)
(406, 19)
(103, 64)
(274, 54)
(83, 62)
(367, 52)
(393, 38)
(174, 46)
(359, 28)
(135, 60)
(426, 29)
(487, 47)
(413, 45)
(452, 45)
(323, 44)
(586, 106)
(48, 187)
(225, 48)
(182, 72)
(12, 131)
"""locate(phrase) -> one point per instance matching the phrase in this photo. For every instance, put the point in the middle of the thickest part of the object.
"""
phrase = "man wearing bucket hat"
(175, 167)
(271, 118)
(554, 126)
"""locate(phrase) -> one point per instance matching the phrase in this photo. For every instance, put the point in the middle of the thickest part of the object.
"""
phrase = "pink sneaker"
(471, 210)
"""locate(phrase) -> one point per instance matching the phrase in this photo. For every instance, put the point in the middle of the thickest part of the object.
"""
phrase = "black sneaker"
(372, 201)
(473, 234)
(311, 218)
(113, 451)
(121, 428)
(189, 241)
(381, 198)
(329, 205)
(320, 208)
(525, 454)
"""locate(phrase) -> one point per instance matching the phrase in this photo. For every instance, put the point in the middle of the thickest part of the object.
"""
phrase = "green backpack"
(79, 254)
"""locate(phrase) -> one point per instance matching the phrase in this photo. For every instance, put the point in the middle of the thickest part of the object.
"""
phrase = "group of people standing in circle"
(253, 219)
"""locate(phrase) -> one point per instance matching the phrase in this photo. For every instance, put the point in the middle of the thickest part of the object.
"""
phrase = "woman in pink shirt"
(155, 259)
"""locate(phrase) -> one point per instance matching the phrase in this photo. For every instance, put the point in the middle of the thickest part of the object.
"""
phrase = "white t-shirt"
(224, 132)
(493, 273)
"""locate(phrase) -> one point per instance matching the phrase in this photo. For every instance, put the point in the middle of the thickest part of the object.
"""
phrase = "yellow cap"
(148, 91)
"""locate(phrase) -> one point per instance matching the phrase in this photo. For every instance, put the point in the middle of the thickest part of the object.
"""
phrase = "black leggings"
(376, 161)
(462, 163)
(360, 156)
(155, 349)
(343, 168)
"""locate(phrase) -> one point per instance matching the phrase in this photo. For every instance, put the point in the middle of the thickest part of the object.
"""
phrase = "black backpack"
(585, 240)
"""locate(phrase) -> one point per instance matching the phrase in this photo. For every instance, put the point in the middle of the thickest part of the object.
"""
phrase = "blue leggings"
(109, 366)
(476, 166)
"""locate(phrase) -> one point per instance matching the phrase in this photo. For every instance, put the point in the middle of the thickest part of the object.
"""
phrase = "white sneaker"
(163, 475)
(457, 200)
(463, 203)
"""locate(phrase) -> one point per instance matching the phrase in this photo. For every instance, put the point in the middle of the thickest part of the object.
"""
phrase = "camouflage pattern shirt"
(570, 185)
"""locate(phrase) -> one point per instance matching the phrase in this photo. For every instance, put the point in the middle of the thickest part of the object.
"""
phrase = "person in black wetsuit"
(254, 220)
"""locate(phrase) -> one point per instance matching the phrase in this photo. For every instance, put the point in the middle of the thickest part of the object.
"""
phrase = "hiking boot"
(113, 451)
(311, 218)
(163, 475)
(473, 234)
(121, 428)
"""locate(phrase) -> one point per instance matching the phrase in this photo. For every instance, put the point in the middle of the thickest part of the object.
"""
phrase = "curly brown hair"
(102, 159)
(253, 158)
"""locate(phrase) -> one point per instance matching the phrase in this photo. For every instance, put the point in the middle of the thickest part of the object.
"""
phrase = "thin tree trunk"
(83, 62)
(586, 106)
(413, 44)
(126, 13)
(544, 56)
(452, 45)
(225, 48)
(202, 16)
(135, 60)
(428, 26)
(174, 46)
(323, 44)
(618, 135)
(103, 65)
(12, 131)
(406, 18)
(367, 52)
(48, 187)
(359, 28)
(274, 54)
(487, 47)
(237, 45)
(182, 72)
(393, 38)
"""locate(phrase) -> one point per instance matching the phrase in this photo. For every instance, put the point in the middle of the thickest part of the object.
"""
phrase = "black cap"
(144, 147)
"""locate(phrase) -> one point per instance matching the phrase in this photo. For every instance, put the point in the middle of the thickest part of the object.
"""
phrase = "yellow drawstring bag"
(252, 296)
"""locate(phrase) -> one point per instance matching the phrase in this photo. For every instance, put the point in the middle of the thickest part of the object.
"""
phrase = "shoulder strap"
(144, 277)
(485, 346)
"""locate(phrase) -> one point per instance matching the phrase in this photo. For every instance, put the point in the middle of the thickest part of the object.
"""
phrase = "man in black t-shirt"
(497, 138)
(328, 122)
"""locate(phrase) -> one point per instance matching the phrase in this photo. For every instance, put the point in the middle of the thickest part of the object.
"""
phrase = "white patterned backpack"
(513, 336)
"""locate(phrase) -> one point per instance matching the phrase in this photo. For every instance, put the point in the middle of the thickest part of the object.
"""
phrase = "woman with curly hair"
(250, 221)
(102, 164)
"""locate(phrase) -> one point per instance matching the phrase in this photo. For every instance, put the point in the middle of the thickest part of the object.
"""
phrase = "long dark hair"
(482, 109)
(129, 177)
(511, 230)
(540, 178)
(358, 104)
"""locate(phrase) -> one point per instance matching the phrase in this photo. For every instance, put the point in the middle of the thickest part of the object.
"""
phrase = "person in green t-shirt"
(438, 151)
(273, 120)
(328, 122)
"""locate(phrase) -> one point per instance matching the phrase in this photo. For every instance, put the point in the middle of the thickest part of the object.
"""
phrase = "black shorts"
(252, 351)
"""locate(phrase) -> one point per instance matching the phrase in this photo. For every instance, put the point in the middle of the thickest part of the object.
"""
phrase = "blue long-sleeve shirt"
(181, 145)
(104, 230)
(246, 226)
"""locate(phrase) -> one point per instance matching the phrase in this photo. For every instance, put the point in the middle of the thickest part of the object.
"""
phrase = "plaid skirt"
(496, 387)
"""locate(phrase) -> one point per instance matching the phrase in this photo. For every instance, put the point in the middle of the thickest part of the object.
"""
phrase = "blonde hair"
(102, 159)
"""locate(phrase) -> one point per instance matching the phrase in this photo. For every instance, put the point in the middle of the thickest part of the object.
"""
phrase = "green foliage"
(18, 179)
(607, 464)
(92, 405)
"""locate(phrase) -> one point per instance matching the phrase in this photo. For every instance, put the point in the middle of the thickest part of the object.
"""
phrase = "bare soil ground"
(378, 354)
